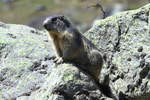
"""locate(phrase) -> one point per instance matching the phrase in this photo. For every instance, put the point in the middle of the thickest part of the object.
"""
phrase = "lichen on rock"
(124, 38)
(27, 73)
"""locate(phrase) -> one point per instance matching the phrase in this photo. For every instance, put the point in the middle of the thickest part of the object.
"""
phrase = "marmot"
(72, 46)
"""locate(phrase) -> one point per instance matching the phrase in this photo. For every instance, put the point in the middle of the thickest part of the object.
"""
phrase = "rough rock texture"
(125, 39)
(27, 73)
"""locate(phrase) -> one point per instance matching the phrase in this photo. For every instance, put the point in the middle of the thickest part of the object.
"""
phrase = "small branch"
(98, 5)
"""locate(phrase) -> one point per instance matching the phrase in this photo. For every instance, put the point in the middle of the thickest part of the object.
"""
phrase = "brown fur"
(72, 46)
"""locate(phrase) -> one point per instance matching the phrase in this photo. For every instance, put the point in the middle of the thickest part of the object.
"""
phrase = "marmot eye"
(61, 18)
(54, 19)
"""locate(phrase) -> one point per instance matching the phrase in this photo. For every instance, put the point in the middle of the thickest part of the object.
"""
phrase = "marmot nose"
(45, 26)
(47, 23)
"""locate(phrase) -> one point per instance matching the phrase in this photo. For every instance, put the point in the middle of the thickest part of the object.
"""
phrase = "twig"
(98, 5)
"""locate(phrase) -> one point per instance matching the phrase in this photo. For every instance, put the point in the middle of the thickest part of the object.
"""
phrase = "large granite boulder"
(27, 73)
(124, 40)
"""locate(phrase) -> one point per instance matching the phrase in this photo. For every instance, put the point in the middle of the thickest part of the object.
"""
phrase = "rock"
(20, 50)
(125, 39)
(28, 73)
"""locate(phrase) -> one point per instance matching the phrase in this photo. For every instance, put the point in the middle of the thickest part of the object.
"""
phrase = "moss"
(68, 76)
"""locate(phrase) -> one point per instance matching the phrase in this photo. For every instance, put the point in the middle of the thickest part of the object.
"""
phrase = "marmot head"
(56, 23)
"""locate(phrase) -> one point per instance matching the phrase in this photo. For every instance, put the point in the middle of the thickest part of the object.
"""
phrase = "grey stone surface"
(124, 40)
(27, 73)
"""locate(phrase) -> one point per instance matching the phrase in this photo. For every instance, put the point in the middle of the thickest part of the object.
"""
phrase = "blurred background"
(82, 12)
